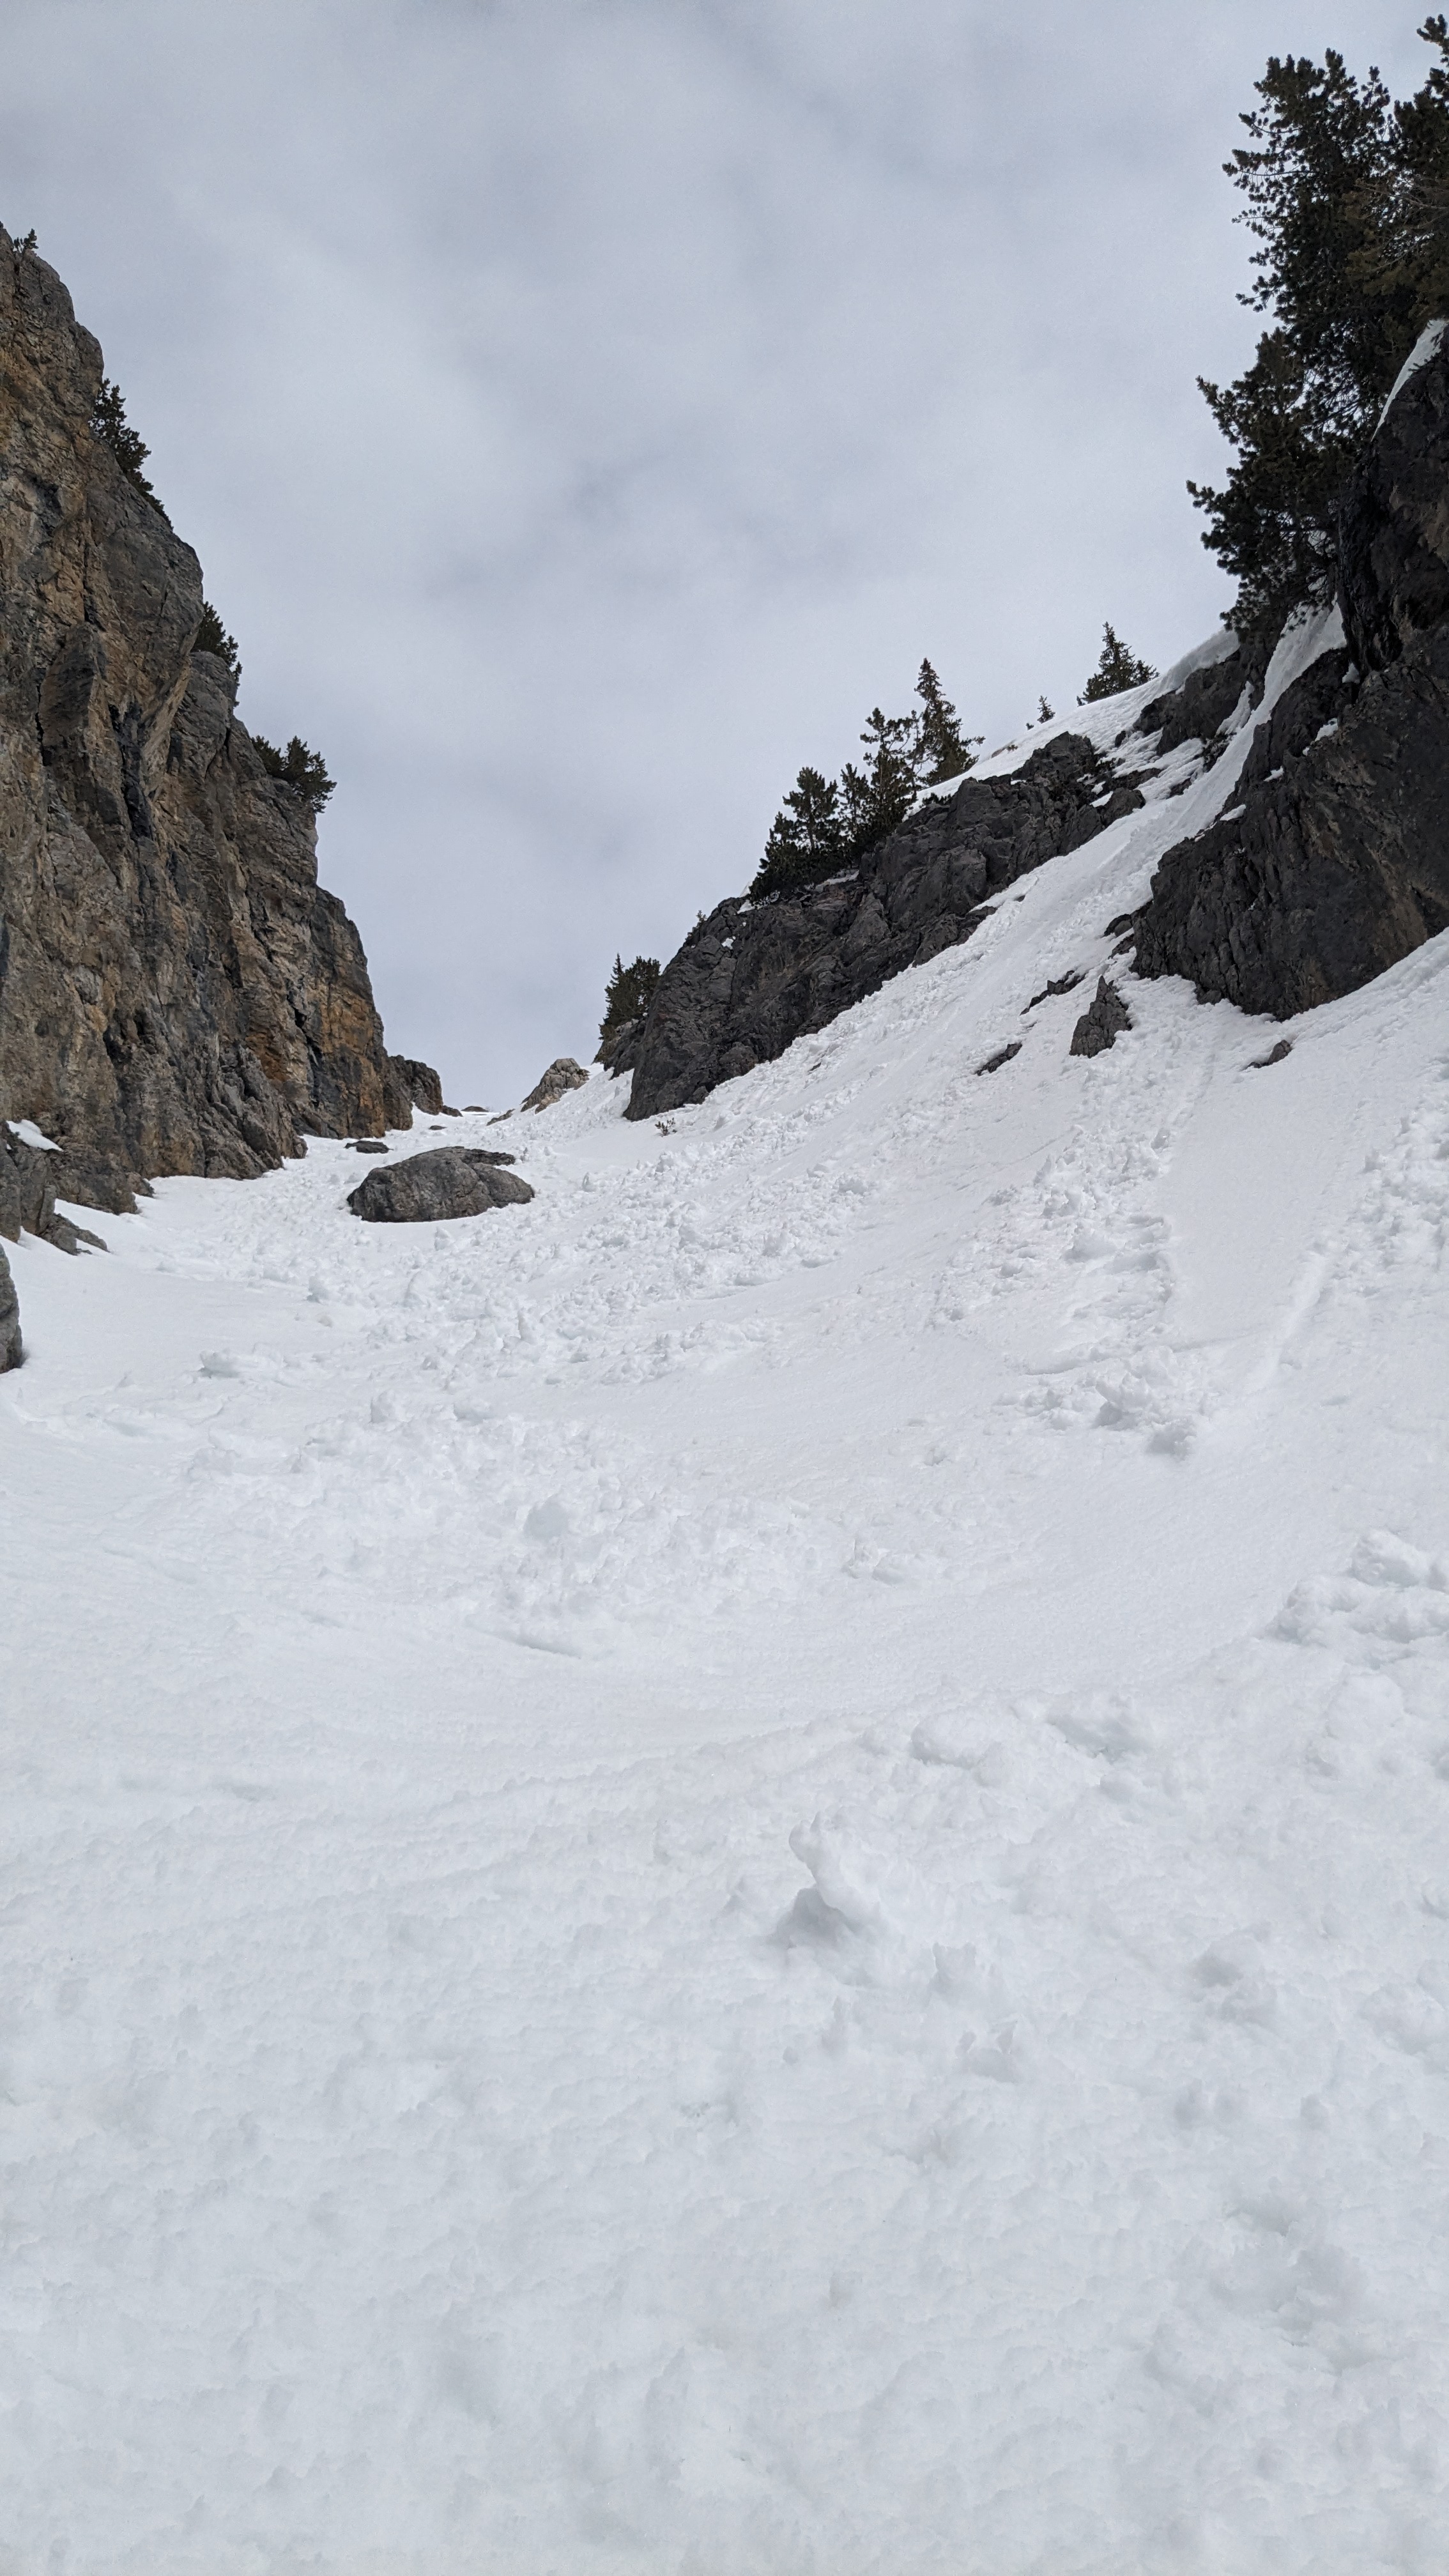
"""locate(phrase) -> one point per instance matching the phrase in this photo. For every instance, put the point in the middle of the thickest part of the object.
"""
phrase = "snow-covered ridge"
(1103, 723)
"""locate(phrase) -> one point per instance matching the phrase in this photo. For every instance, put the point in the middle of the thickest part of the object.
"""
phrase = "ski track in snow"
(746, 1873)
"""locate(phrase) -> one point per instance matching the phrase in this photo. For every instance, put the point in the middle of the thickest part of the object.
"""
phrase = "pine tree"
(1044, 713)
(629, 992)
(1119, 668)
(825, 823)
(1347, 197)
(940, 750)
(879, 796)
(109, 422)
(212, 637)
(807, 838)
(298, 767)
(1402, 262)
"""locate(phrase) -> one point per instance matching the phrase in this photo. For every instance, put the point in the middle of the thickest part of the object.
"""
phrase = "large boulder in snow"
(1332, 862)
(456, 1180)
(754, 977)
(11, 1351)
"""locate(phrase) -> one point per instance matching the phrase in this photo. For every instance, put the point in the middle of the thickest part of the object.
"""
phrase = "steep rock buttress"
(177, 993)
(1334, 861)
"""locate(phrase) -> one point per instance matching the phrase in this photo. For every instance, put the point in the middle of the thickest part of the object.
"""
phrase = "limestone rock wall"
(177, 994)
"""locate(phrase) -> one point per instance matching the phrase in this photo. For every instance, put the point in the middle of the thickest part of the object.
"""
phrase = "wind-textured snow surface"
(747, 1873)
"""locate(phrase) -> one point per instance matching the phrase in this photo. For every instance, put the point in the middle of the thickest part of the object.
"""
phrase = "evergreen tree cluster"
(298, 767)
(1347, 197)
(628, 993)
(827, 824)
(1119, 668)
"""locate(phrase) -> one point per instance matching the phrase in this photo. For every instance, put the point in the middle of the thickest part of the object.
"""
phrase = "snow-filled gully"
(747, 1871)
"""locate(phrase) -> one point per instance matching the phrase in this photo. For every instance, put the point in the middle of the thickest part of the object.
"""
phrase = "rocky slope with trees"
(1334, 862)
(177, 993)
(1331, 865)
(757, 974)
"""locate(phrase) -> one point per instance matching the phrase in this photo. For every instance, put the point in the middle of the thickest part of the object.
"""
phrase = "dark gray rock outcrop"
(1393, 548)
(1201, 707)
(1333, 863)
(177, 994)
(1102, 1023)
(455, 1180)
(618, 1047)
(753, 977)
(12, 1349)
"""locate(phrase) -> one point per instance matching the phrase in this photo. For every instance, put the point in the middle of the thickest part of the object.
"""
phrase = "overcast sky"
(586, 410)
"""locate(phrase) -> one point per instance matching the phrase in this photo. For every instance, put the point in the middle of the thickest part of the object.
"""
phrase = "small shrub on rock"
(212, 637)
(109, 422)
(298, 767)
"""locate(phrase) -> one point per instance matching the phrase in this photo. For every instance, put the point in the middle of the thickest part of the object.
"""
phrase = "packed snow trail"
(746, 1872)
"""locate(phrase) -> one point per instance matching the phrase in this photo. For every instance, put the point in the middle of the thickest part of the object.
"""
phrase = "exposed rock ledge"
(177, 994)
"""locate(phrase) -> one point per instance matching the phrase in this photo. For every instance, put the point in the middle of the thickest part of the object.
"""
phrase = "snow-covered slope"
(746, 1872)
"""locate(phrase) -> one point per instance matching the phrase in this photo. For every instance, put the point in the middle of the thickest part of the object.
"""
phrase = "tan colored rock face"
(176, 993)
(562, 1075)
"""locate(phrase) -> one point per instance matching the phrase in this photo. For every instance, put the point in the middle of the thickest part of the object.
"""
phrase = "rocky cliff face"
(1334, 863)
(753, 977)
(177, 994)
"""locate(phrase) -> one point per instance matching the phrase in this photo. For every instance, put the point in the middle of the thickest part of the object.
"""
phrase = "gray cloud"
(586, 409)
